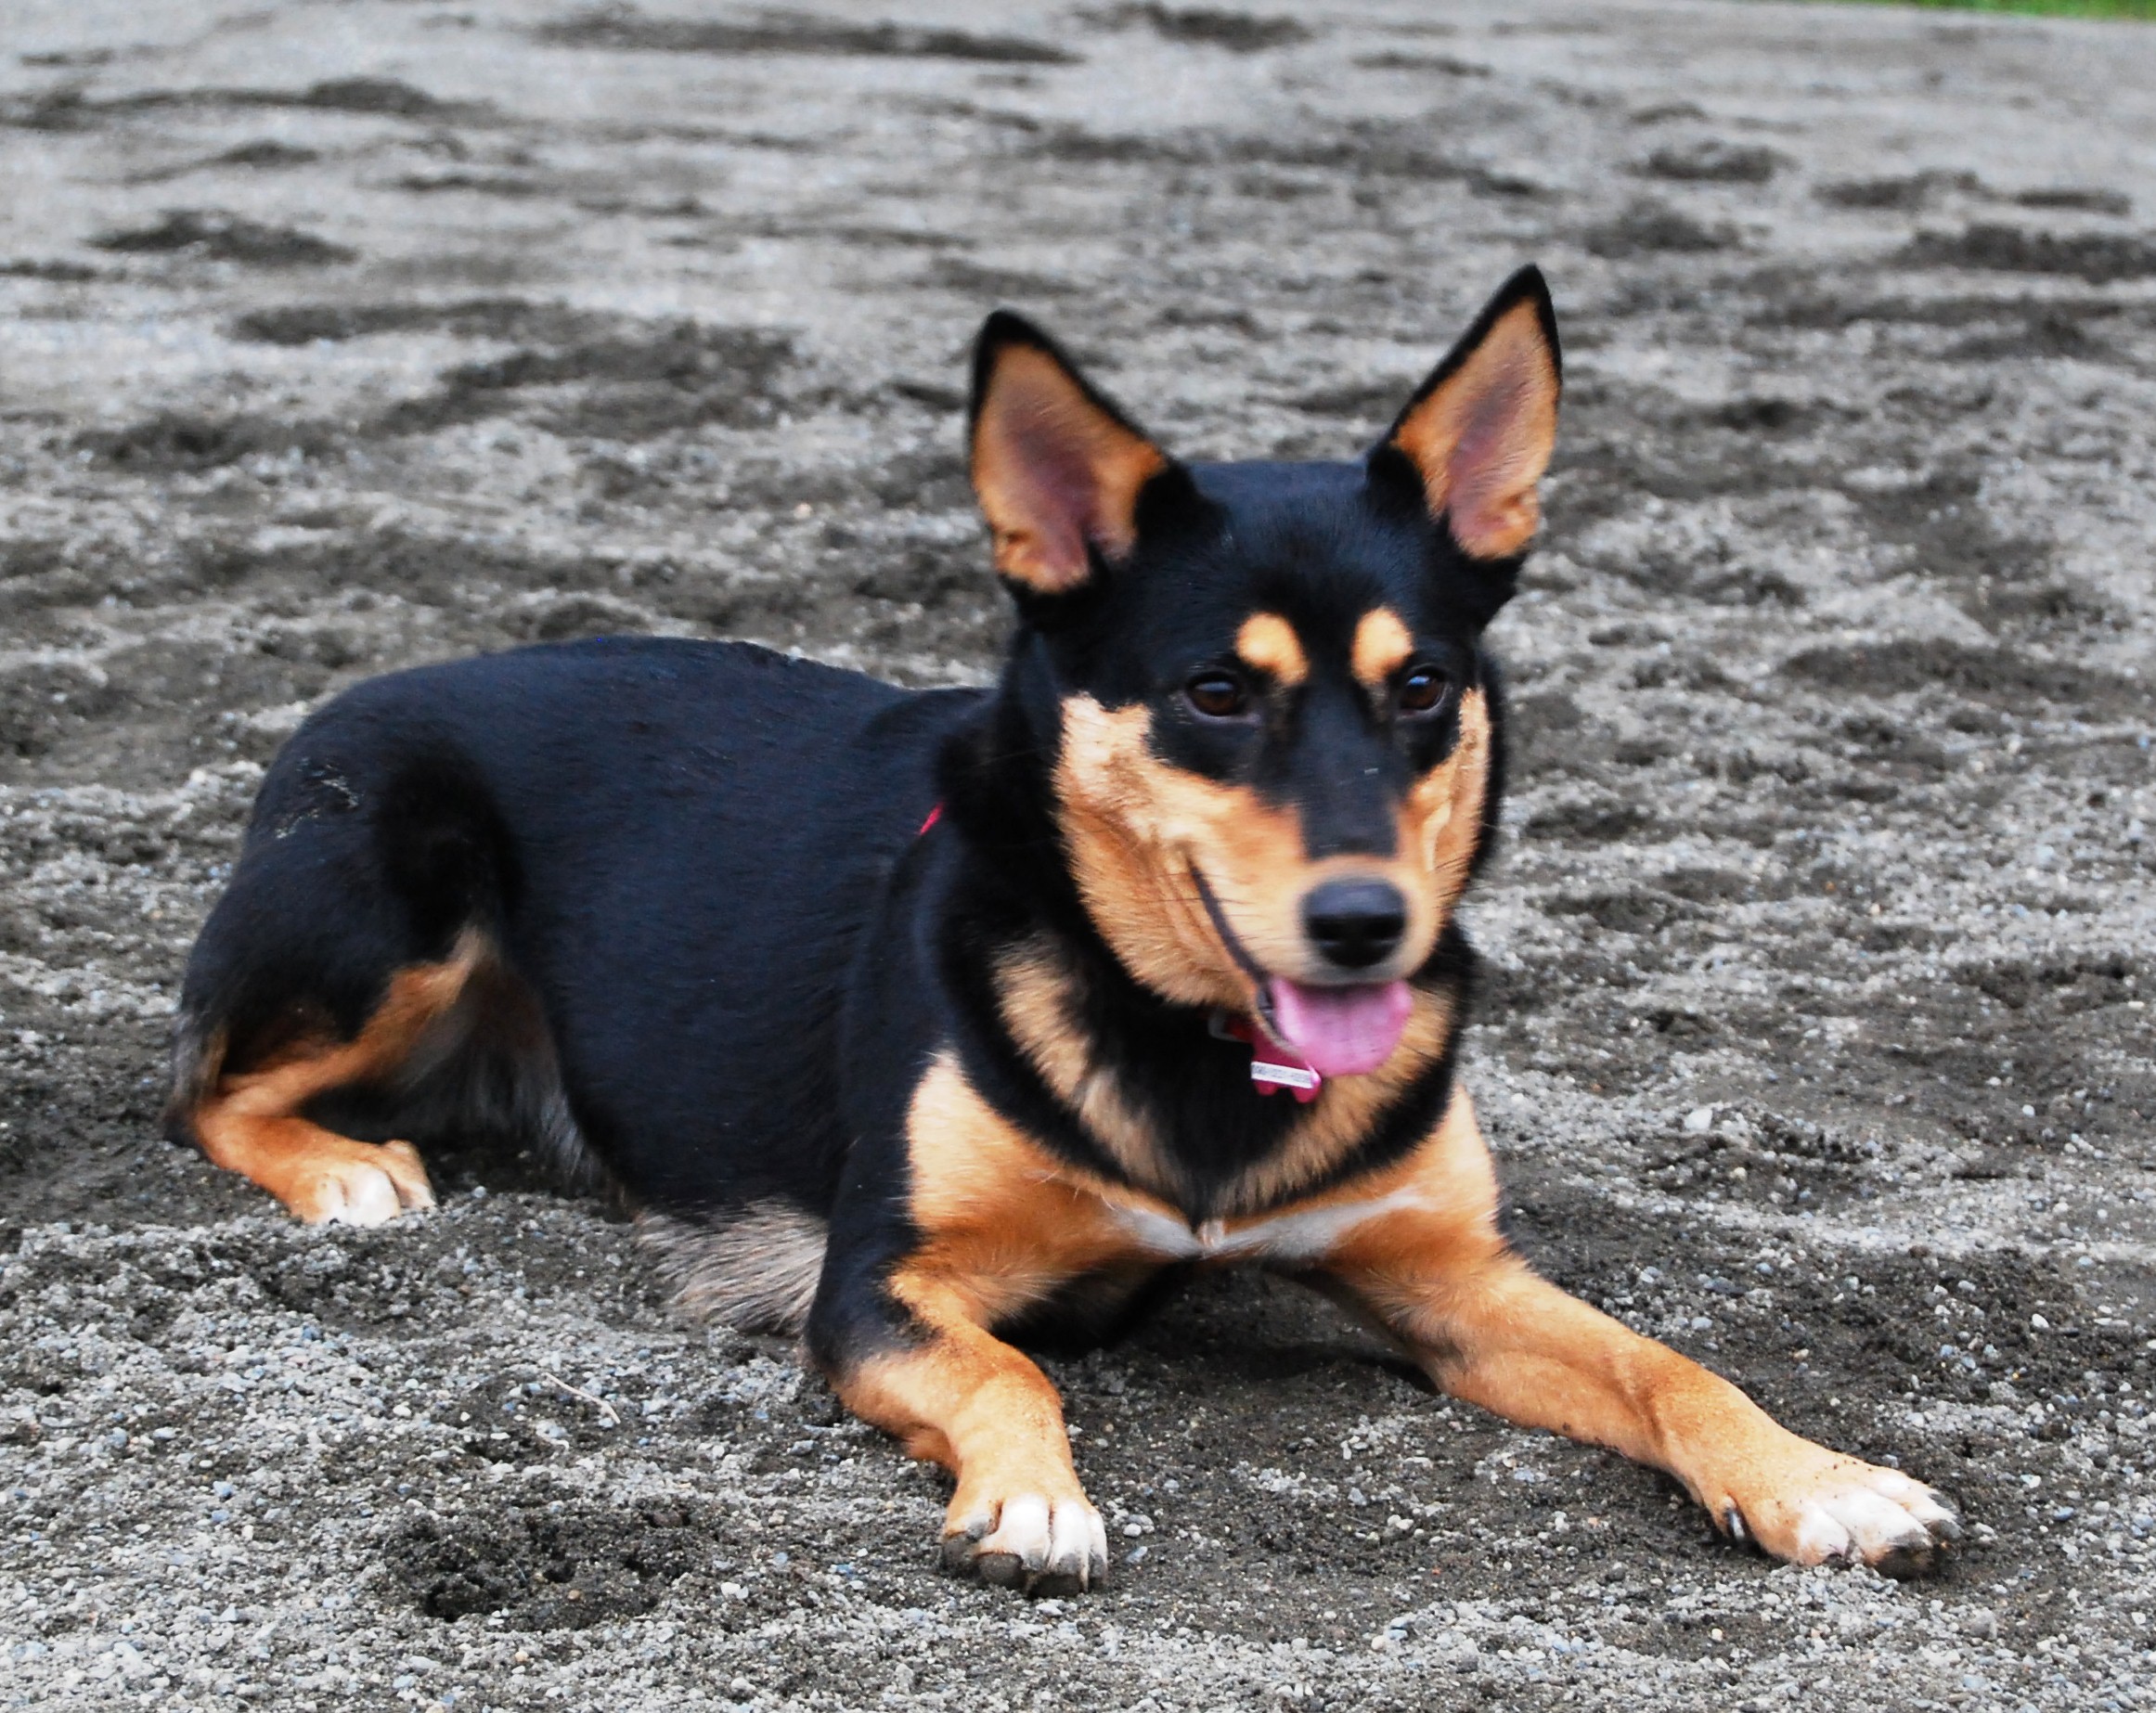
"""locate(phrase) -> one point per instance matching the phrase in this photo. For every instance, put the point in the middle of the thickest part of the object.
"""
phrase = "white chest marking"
(1292, 1238)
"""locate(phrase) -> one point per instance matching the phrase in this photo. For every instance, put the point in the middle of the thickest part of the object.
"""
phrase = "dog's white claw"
(359, 1196)
(367, 1186)
(1822, 1540)
(1021, 1537)
(1033, 1543)
(1078, 1536)
(1932, 1510)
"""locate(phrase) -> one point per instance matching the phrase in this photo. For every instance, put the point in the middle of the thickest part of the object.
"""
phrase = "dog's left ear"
(1479, 431)
(1057, 469)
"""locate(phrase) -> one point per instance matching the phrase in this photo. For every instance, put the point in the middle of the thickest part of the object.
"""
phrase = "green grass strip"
(2040, 9)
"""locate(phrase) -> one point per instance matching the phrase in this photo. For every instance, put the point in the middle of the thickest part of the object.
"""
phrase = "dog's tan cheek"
(1442, 816)
(1125, 817)
(1253, 857)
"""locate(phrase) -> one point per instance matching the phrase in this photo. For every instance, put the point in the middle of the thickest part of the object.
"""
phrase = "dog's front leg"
(954, 1394)
(1437, 1274)
(988, 1226)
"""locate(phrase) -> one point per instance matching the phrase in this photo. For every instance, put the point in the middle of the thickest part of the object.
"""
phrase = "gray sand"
(338, 338)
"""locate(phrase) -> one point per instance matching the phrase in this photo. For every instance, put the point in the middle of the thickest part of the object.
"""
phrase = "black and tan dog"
(920, 1020)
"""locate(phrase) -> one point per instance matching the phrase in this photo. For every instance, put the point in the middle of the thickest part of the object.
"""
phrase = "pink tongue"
(1341, 1031)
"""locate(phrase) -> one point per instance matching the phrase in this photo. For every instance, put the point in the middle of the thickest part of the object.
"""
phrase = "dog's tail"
(197, 1056)
(755, 1268)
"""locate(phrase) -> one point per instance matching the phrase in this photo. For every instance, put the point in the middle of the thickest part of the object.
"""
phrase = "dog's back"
(561, 866)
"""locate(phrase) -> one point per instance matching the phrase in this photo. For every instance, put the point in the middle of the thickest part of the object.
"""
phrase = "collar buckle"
(1272, 1066)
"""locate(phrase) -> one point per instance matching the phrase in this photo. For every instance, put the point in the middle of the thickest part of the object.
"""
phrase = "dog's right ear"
(1057, 469)
(1478, 432)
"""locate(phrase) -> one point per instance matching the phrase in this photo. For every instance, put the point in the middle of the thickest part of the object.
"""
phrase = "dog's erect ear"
(1478, 432)
(1057, 469)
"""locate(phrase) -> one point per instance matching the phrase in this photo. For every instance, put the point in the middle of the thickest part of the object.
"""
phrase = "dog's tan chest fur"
(1006, 1222)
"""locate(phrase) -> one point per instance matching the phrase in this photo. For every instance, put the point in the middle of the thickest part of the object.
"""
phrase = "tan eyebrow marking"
(1268, 642)
(1382, 645)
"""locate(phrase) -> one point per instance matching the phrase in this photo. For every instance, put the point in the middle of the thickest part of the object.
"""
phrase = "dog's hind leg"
(360, 910)
(252, 1122)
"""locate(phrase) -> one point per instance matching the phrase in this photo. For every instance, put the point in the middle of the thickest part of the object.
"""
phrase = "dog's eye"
(1216, 695)
(1423, 690)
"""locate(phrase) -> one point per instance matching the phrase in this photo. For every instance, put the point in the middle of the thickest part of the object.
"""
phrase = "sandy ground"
(338, 336)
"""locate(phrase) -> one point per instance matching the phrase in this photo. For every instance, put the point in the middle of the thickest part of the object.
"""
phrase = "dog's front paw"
(360, 1183)
(1030, 1541)
(1814, 1506)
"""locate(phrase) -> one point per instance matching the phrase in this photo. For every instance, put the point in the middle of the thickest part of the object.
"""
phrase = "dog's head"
(1275, 748)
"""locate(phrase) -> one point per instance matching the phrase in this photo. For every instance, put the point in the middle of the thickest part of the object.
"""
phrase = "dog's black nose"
(1355, 923)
